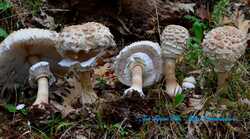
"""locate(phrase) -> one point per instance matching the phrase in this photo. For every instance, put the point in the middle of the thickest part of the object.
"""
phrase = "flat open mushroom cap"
(89, 38)
(148, 52)
(19, 45)
(224, 45)
(173, 40)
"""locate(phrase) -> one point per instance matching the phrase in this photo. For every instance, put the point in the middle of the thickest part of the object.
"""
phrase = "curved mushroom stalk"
(88, 95)
(172, 87)
(137, 82)
(42, 77)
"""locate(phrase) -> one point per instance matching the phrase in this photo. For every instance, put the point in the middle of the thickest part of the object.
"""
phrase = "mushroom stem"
(137, 77)
(172, 87)
(222, 80)
(43, 91)
(137, 81)
(170, 70)
(88, 95)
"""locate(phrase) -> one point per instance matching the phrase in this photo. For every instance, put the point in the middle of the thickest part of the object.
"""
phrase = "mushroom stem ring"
(42, 77)
(139, 65)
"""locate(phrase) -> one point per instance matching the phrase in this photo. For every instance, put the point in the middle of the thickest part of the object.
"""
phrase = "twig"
(157, 17)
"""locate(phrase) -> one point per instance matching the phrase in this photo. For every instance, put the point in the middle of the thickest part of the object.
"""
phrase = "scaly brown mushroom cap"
(224, 45)
(81, 46)
(81, 42)
(173, 41)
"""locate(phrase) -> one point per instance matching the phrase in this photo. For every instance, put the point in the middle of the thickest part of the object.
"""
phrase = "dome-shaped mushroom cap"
(146, 51)
(19, 45)
(224, 45)
(173, 40)
(85, 37)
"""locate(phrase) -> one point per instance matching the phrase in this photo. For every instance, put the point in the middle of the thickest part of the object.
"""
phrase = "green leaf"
(10, 108)
(3, 33)
(198, 31)
(192, 18)
(5, 5)
(63, 125)
(179, 99)
(24, 111)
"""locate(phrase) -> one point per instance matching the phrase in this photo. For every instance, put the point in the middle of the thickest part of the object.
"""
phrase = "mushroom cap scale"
(86, 37)
(21, 44)
(173, 41)
(224, 45)
(145, 52)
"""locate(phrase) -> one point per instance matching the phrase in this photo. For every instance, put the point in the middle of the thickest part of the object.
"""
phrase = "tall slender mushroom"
(173, 43)
(139, 65)
(224, 45)
(81, 46)
(21, 53)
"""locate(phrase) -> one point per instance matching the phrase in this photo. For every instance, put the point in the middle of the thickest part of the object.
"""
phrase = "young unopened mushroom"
(22, 52)
(81, 46)
(224, 45)
(173, 43)
(139, 65)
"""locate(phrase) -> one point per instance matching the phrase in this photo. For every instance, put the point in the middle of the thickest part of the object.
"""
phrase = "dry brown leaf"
(70, 95)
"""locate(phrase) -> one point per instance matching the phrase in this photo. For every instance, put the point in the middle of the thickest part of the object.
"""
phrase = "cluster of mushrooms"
(37, 55)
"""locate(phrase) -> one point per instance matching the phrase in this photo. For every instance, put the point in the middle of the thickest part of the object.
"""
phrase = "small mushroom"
(189, 83)
(139, 65)
(173, 43)
(22, 51)
(224, 45)
(81, 46)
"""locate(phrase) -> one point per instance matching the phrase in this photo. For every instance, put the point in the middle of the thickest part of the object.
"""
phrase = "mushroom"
(224, 45)
(29, 52)
(188, 83)
(139, 65)
(173, 43)
(81, 46)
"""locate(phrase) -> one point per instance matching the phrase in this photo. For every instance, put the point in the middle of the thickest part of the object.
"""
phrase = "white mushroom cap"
(224, 45)
(173, 41)
(19, 45)
(85, 37)
(145, 52)
(39, 70)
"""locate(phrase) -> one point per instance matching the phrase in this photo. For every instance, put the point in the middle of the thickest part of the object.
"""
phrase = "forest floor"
(223, 115)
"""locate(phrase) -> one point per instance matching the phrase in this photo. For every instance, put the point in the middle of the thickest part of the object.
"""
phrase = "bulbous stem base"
(137, 81)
